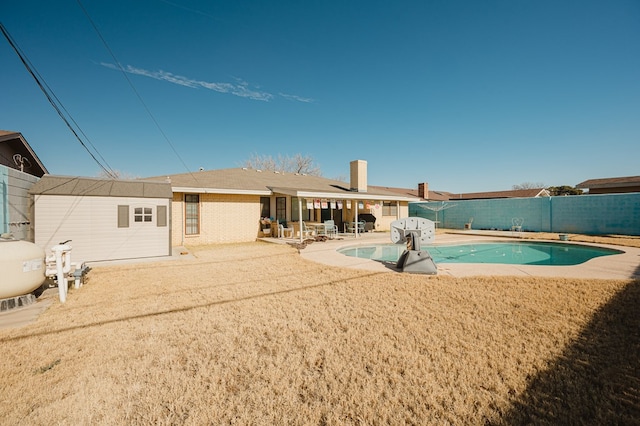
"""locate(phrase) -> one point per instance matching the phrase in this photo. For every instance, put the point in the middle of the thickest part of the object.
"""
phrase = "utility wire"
(113, 173)
(124, 73)
(50, 97)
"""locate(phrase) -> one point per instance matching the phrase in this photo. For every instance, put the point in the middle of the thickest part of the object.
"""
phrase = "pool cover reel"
(414, 231)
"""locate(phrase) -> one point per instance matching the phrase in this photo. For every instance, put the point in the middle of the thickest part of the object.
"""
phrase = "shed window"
(192, 214)
(123, 216)
(162, 216)
(142, 214)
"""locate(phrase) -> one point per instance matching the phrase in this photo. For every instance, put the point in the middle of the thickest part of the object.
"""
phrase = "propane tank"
(22, 266)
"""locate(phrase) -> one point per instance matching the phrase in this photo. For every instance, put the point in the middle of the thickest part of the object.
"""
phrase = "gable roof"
(255, 182)
(95, 187)
(14, 144)
(615, 182)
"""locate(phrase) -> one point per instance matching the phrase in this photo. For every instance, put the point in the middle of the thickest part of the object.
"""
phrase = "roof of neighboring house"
(615, 182)
(446, 196)
(16, 153)
(95, 187)
(514, 193)
(433, 195)
(256, 182)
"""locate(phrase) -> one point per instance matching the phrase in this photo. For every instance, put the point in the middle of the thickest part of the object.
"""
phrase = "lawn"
(254, 334)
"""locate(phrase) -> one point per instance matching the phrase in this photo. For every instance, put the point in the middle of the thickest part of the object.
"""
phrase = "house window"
(142, 214)
(306, 214)
(265, 207)
(281, 208)
(389, 208)
(192, 214)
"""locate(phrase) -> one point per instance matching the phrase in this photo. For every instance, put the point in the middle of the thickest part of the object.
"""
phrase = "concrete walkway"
(19, 317)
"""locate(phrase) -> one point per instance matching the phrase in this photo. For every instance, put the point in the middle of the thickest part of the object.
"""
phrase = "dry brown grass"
(253, 334)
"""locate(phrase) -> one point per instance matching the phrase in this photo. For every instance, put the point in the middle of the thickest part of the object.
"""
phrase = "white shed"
(105, 219)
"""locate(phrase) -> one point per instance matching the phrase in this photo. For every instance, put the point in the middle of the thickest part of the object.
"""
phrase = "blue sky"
(465, 95)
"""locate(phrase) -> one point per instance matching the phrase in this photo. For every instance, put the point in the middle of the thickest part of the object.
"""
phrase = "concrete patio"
(620, 266)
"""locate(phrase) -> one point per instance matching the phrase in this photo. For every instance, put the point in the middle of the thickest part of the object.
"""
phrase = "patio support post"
(300, 216)
(356, 218)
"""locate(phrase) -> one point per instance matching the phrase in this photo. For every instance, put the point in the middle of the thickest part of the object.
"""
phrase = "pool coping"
(618, 266)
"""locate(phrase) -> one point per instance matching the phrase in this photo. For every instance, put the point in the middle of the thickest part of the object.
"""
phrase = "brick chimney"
(358, 175)
(423, 190)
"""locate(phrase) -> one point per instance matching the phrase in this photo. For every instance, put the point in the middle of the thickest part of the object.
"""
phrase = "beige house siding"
(91, 223)
(223, 219)
(383, 223)
(235, 218)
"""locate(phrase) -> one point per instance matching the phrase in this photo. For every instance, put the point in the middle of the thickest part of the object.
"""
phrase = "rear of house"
(225, 206)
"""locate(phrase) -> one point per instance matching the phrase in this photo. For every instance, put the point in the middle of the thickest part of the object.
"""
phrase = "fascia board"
(341, 195)
(195, 190)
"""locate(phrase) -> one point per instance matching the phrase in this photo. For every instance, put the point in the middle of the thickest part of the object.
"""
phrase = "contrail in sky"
(239, 88)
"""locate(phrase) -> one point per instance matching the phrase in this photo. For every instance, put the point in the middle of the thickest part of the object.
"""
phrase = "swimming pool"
(510, 253)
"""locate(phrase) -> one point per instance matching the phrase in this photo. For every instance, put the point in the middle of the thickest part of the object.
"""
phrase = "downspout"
(183, 223)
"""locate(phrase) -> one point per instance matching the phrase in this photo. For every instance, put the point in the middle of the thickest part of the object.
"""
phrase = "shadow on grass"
(187, 308)
(597, 379)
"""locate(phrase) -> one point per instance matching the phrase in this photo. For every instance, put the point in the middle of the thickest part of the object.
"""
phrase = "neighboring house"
(20, 168)
(514, 193)
(220, 206)
(104, 219)
(422, 193)
(611, 185)
(425, 194)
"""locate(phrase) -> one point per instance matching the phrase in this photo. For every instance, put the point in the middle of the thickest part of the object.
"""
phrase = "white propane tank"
(22, 267)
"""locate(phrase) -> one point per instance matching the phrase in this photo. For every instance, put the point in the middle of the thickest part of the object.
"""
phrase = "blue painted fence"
(579, 214)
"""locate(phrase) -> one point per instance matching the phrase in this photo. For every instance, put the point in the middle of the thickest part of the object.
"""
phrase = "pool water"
(511, 253)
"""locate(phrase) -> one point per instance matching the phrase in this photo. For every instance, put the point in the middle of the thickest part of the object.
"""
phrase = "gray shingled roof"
(246, 180)
(95, 187)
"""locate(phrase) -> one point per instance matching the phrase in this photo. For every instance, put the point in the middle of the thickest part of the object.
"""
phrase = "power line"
(46, 90)
(124, 73)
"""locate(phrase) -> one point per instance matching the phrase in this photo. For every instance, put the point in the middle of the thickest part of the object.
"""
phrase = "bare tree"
(529, 185)
(296, 164)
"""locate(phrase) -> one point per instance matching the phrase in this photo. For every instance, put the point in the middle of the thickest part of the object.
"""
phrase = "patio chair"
(283, 230)
(352, 226)
(516, 224)
(330, 228)
(305, 231)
